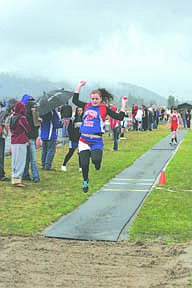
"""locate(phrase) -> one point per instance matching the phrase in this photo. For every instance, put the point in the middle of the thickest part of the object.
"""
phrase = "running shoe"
(64, 168)
(85, 186)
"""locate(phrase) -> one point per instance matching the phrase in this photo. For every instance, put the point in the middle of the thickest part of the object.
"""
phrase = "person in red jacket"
(19, 129)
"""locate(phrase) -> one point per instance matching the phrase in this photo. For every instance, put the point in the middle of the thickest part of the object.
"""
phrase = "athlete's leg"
(79, 161)
(85, 160)
(68, 156)
(175, 137)
(96, 157)
(172, 135)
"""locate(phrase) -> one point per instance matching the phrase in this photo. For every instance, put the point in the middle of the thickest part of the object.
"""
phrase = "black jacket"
(34, 133)
(73, 129)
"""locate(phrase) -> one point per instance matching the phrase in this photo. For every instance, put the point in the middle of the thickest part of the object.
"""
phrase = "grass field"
(28, 211)
(167, 213)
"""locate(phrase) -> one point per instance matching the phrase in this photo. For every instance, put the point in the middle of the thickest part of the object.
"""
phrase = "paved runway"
(107, 214)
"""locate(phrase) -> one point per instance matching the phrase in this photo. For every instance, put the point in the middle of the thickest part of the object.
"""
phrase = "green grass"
(30, 210)
(167, 212)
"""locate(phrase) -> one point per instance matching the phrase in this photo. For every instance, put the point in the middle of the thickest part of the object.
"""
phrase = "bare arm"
(75, 99)
(78, 87)
(124, 100)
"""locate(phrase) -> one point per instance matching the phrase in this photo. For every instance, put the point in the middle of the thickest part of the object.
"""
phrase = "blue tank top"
(93, 119)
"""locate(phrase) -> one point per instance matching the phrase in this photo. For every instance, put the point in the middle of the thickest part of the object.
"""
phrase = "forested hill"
(136, 94)
(12, 86)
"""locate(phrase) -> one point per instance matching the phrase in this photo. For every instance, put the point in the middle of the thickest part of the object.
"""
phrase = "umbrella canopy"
(11, 103)
(3, 115)
(7, 110)
(53, 99)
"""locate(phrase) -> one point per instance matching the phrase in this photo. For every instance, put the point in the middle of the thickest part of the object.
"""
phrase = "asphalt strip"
(108, 213)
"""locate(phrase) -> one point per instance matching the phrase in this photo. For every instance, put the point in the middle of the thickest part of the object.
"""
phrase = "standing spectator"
(135, 122)
(168, 112)
(115, 126)
(145, 117)
(32, 136)
(150, 118)
(19, 129)
(107, 127)
(74, 135)
(154, 119)
(66, 114)
(123, 125)
(188, 118)
(138, 118)
(162, 114)
(50, 123)
(4, 129)
(183, 116)
(157, 117)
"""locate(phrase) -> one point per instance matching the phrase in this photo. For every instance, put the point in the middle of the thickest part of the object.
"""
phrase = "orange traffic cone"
(38, 142)
(162, 179)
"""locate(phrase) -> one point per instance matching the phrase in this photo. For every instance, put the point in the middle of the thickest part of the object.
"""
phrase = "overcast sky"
(143, 42)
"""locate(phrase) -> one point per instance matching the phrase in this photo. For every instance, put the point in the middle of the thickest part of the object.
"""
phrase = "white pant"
(19, 153)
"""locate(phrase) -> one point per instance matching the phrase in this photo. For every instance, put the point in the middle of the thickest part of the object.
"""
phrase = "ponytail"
(106, 96)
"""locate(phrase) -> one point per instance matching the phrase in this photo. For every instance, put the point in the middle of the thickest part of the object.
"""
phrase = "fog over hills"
(13, 86)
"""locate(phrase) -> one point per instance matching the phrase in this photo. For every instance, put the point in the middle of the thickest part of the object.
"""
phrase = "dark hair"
(76, 113)
(105, 95)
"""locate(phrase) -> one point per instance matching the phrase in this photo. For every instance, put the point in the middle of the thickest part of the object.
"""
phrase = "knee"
(97, 164)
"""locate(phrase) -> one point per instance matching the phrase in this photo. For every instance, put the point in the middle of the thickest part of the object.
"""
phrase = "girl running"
(92, 128)
(74, 135)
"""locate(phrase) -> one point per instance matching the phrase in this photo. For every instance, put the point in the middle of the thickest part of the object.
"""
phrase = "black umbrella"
(8, 110)
(53, 99)
(11, 103)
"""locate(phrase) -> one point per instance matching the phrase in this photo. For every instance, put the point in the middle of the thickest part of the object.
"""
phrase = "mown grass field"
(167, 213)
(30, 210)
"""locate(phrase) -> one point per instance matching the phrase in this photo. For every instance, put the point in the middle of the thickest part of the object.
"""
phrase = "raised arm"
(115, 115)
(75, 99)
(124, 100)
(121, 114)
